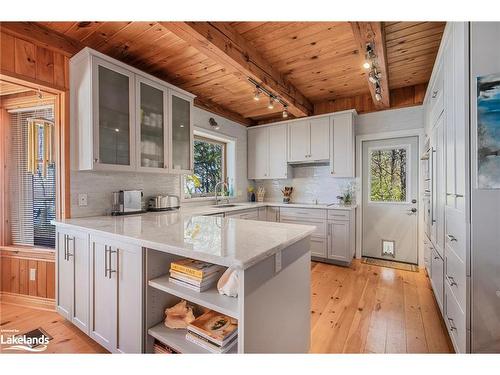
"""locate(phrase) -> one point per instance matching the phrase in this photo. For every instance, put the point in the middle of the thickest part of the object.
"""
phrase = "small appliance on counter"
(127, 202)
(163, 203)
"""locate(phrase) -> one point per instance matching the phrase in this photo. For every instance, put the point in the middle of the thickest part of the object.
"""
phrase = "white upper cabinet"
(113, 107)
(267, 152)
(309, 140)
(320, 138)
(124, 119)
(299, 141)
(181, 129)
(152, 120)
(342, 145)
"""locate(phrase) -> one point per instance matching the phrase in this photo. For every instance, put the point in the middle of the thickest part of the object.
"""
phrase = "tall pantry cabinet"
(446, 116)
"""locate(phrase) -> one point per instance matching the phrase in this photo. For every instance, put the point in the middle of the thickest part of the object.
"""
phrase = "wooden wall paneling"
(23, 276)
(60, 70)
(7, 60)
(51, 280)
(41, 279)
(14, 275)
(44, 65)
(6, 270)
(25, 58)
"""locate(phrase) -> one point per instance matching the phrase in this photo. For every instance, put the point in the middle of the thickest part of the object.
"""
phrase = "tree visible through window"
(388, 174)
(209, 167)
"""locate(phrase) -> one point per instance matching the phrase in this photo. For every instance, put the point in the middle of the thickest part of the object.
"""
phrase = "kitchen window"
(210, 167)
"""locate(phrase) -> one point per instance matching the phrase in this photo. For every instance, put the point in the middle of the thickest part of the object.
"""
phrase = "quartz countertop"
(224, 241)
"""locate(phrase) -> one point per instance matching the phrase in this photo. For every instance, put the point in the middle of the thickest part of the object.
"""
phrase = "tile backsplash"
(99, 185)
(310, 183)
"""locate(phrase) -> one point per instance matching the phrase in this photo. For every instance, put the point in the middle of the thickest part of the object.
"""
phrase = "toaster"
(127, 202)
(163, 203)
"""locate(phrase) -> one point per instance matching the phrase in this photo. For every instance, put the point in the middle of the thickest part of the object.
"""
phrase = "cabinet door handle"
(459, 196)
(72, 239)
(452, 324)
(452, 238)
(65, 246)
(451, 281)
(110, 271)
(434, 93)
(105, 260)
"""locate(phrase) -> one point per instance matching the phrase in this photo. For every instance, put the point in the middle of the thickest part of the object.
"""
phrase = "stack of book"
(195, 274)
(213, 331)
(159, 348)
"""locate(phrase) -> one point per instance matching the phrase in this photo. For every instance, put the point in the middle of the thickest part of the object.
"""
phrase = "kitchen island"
(112, 279)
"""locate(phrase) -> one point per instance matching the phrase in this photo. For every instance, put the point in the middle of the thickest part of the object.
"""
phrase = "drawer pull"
(452, 238)
(452, 324)
(451, 280)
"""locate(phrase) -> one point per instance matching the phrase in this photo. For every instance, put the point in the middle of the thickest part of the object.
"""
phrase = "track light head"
(285, 112)
(271, 103)
(366, 65)
(256, 95)
(378, 97)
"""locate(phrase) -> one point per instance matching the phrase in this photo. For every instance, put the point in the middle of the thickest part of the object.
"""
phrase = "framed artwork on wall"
(488, 132)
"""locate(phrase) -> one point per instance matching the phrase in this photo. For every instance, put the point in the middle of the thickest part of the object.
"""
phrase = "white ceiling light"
(271, 103)
(366, 65)
(256, 95)
(285, 112)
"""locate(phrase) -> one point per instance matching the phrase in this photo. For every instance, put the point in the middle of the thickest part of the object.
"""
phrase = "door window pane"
(388, 175)
(151, 127)
(114, 117)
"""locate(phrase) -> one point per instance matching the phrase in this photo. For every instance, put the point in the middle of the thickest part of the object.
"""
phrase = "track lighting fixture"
(378, 92)
(366, 65)
(374, 76)
(285, 112)
(378, 97)
(271, 103)
(256, 95)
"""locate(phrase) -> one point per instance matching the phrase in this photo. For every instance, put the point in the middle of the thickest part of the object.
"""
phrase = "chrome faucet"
(221, 183)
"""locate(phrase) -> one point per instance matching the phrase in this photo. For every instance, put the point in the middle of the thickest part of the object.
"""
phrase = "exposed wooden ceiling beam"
(220, 42)
(366, 32)
(213, 107)
(43, 36)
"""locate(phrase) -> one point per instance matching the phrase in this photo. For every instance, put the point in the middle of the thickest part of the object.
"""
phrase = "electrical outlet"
(32, 274)
(277, 262)
(82, 200)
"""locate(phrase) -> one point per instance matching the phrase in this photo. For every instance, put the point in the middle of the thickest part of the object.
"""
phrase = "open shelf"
(209, 298)
(176, 339)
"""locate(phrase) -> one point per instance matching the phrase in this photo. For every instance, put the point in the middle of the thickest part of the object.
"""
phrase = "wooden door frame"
(62, 154)
(419, 133)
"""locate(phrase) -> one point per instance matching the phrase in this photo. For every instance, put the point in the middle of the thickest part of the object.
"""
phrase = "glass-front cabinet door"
(114, 110)
(181, 133)
(151, 125)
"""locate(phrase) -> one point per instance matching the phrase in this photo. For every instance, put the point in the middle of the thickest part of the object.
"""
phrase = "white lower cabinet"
(437, 277)
(339, 242)
(73, 273)
(116, 298)
(273, 214)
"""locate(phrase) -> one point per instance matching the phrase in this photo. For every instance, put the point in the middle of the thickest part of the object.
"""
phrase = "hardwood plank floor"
(66, 337)
(360, 309)
(372, 309)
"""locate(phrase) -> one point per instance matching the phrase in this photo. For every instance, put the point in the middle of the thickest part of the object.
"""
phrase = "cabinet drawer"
(455, 321)
(437, 273)
(318, 247)
(455, 277)
(299, 213)
(339, 215)
(455, 230)
(318, 223)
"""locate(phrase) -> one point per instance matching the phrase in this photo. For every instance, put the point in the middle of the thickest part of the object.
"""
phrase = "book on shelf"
(215, 327)
(195, 268)
(209, 345)
(160, 348)
(200, 288)
(214, 277)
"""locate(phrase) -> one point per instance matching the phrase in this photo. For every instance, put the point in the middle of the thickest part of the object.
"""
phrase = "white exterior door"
(390, 199)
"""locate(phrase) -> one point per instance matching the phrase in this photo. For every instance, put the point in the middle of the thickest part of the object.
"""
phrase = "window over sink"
(212, 154)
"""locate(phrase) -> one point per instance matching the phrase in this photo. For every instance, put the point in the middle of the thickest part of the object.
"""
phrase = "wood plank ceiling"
(320, 59)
